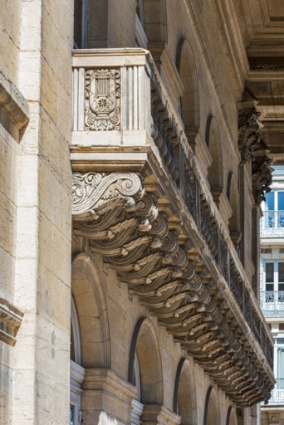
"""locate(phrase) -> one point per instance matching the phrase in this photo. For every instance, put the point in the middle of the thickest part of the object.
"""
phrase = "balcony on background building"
(272, 224)
(272, 303)
(277, 394)
(126, 124)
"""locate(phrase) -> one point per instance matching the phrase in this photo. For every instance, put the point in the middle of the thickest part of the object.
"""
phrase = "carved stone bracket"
(261, 175)
(249, 130)
(10, 321)
(253, 148)
(147, 255)
(93, 191)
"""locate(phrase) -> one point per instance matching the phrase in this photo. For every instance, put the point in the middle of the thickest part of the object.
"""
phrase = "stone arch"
(231, 417)
(92, 313)
(145, 346)
(211, 411)
(185, 403)
(215, 170)
(75, 353)
(189, 102)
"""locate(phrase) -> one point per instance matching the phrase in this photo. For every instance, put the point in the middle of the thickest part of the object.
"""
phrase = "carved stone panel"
(102, 99)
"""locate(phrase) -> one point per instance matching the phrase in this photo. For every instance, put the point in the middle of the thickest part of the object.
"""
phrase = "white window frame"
(275, 274)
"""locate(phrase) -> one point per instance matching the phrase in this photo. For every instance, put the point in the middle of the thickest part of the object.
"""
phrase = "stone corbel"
(92, 192)
(12, 102)
(261, 174)
(10, 321)
(249, 129)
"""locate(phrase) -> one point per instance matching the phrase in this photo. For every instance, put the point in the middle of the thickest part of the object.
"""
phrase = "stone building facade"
(136, 144)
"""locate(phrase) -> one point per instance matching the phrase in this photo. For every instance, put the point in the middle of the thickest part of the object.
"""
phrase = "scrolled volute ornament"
(249, 132)
(95, 192)
(261, 178)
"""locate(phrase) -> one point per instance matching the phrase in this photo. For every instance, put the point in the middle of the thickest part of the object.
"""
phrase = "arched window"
(184, 395)
(90, 340)
(77, 372)
(137, 406)
(145, 358)
(189, 102)
(215, 171)
(234, 199)
(231, 417)
(211, 411)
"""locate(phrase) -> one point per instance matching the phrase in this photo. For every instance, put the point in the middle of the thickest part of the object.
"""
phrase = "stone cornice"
(12, 102)
(10, 321)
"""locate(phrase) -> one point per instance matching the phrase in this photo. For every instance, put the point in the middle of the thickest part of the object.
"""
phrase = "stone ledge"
(10, 321)
(157, 414)
(109, 393)
(12, 102)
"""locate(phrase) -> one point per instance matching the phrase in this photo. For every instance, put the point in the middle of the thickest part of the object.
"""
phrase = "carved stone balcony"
(140, 199)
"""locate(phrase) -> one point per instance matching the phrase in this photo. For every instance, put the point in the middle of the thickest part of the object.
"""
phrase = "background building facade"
(136, 143)
(272, 288)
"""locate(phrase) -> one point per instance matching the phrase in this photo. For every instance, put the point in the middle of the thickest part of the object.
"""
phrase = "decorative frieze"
(147, 255)
(102, 99)
(10, 321)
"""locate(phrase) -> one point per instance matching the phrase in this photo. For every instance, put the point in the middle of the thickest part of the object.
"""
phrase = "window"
(274, 209)
(269, 277)
(279, 362)
(80, 24)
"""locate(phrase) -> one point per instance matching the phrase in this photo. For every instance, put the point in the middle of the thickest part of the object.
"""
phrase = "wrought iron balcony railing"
(122, 115)
(277, 395)
(272, 223)
(272, 302)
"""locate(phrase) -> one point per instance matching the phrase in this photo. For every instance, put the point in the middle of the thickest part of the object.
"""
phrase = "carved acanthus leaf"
(249, 132)
(261, 177)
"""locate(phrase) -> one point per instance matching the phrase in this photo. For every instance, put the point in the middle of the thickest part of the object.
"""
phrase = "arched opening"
(232, 417)
(145, 357)
(189, 102)
(92, 314)
(77, 372)
(215, 170)
(211, 411)
(185, 395)
(234, 222)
